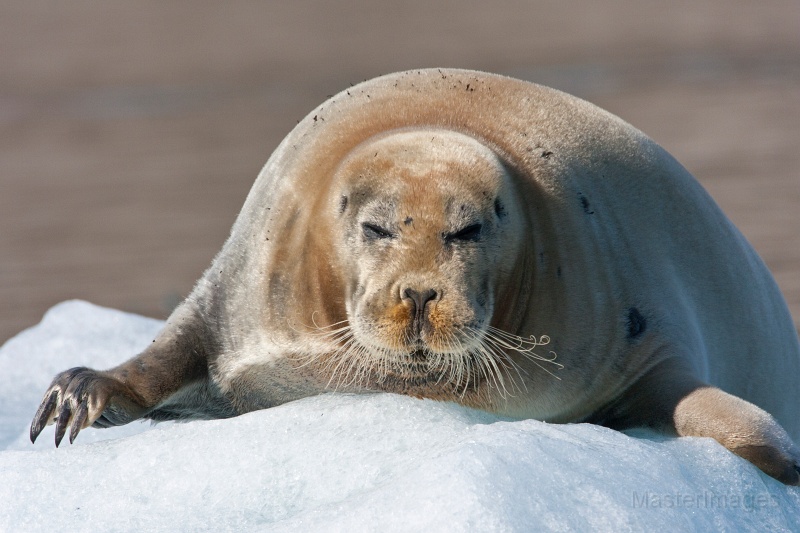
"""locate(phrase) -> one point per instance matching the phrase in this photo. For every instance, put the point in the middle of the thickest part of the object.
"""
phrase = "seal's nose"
(418, 301)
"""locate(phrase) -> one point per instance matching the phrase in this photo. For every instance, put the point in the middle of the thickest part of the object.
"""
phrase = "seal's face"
(423, 223)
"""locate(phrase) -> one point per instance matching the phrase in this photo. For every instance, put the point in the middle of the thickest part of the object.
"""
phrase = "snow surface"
(348, 463)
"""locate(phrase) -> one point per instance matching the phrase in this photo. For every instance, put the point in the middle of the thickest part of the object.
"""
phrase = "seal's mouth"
(419, 355)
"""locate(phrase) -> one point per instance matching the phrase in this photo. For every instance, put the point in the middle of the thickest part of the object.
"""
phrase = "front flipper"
(81, 397)
(174, 363)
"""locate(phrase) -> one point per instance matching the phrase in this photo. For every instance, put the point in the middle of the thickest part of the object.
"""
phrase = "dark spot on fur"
(637, 324)
(480, 299)
(408, 221)
(558, 271)
(585, 204)
(546, 154)
(342, 204)
(499, 209)
(292, 220)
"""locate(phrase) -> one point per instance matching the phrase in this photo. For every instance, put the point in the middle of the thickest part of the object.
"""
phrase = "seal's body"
(469, 237)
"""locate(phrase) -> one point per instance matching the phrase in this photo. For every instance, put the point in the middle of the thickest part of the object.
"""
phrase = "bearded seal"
(428, 233)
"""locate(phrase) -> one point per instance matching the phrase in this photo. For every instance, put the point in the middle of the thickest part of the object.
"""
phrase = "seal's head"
(426, 228)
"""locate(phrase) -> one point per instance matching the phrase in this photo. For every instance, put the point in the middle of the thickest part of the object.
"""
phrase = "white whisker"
(505, 341)
(466, 358)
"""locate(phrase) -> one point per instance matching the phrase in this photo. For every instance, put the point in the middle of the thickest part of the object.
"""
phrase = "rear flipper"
(670, 398)
(743, 428)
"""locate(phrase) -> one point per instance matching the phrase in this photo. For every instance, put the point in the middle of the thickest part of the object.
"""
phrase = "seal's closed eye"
(469, 233)
(372, 231)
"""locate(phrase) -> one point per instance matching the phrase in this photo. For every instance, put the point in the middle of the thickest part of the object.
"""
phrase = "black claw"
(78, 420)
(62, 421)
(102, 422)
(42, 414)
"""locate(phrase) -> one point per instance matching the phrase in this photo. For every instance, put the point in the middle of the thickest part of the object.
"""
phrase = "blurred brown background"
(130, 132)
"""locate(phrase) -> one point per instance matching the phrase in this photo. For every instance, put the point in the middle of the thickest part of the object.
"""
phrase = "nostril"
(419, 299)
(427, 296)
(411, 294)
